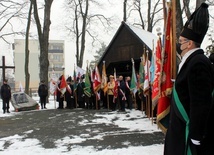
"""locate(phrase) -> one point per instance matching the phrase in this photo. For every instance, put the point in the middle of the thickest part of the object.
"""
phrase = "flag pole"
(174, 68)
(148, 72)
(164, 12)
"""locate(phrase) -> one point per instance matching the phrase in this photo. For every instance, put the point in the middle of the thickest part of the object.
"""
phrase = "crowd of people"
(117, 97)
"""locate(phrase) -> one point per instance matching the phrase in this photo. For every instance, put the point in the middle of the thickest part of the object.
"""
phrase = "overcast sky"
(112, 8)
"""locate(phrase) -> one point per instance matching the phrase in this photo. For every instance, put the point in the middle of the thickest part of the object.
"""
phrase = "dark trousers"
(6, 105)
(122, 103)
(112, 105)
(43, 101)
(129, 101)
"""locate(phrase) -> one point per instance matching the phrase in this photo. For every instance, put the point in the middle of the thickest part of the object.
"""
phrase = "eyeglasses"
(183, 41)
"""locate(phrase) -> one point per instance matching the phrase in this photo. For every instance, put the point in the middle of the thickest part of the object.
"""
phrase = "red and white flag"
(97, 80)
(63, 85)
(115, 87)
(53, 83)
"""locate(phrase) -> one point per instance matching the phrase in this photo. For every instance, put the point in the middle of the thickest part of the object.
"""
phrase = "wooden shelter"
(128, 42)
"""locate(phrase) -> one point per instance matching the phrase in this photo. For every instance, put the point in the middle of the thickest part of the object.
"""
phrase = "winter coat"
(194, 85)
(5, 91)
(43, 90)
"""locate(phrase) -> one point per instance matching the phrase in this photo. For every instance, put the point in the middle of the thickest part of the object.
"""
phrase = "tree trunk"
(124, 10)
(179, 21)
(82, 50)
(198, 3)
(43, 39)
(27, 75)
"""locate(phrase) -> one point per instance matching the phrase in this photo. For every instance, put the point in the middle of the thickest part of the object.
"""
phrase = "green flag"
(133, 86)
(75, 80)
(87, 89)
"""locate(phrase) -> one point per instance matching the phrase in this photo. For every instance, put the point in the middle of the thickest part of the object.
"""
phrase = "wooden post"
(107, 100)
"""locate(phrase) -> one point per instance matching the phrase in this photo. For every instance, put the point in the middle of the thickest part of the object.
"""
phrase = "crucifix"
(4, 67)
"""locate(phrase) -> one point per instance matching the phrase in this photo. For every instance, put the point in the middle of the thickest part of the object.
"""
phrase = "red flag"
(156, 82)
(63, 85)
(165, 78)
(115, 87)
(97, 82)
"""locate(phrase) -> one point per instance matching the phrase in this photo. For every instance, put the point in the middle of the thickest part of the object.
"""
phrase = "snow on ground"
(33, 146)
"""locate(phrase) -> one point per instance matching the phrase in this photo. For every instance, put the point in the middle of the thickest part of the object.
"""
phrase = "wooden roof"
(128, 42)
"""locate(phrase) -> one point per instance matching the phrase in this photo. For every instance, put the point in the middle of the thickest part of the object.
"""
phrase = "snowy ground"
(18, 146)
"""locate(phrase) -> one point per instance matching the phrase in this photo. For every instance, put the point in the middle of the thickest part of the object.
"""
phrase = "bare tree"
(10, 10)
(151, 17)
(27, 75)
(82, 25)
(43, 35)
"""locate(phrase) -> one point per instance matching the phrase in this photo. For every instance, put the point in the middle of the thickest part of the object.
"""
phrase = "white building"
(56, 61)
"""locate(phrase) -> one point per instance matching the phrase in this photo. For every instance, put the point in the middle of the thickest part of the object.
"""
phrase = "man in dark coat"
(43, 93)
(80, 92)
(6, 96)
(69, 97)
(128, 92)
(59, 95)
(121, 93)
(191, 110)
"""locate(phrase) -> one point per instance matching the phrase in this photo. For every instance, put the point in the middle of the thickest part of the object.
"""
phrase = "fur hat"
(69, 79)
(197, 25)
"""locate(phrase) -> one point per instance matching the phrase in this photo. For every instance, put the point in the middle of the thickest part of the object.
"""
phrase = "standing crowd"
(117, 97)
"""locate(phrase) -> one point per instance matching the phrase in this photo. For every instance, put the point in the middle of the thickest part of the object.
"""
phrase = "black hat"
(60, 78)
(197, 25)
(83, 76)
(69, 79)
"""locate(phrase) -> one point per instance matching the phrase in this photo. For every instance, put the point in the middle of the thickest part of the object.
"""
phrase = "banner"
(165, 78)
(97, 82)
(115, 86)
(53, 83)
(133, 86)
(63, 85)
(104, 84)
(156, 82)
(87, 89)
(80, 71)
(146, 84)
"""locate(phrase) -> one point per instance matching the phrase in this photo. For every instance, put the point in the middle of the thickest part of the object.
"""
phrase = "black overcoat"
(194, 85)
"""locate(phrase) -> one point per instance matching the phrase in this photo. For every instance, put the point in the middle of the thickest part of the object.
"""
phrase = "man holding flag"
(61, 89)
(191, 131)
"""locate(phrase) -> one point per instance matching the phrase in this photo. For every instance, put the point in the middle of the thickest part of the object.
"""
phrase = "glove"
(196, 142)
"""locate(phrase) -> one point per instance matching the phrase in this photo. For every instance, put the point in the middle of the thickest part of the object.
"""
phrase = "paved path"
(48, 126)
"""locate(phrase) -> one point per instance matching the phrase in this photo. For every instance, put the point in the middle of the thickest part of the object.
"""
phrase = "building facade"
(55, 55)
